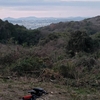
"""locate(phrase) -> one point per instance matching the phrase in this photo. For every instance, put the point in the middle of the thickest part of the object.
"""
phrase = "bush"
(28, 65)
(80, 41)
(67, 70)
(9, 58)
(87, 62)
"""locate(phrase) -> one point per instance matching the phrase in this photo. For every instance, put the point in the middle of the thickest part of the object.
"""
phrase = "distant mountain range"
(34, 22)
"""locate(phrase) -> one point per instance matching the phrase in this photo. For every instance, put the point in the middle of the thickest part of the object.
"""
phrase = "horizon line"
(48, 17)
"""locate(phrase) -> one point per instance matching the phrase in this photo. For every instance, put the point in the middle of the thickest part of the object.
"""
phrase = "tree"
(79, 41)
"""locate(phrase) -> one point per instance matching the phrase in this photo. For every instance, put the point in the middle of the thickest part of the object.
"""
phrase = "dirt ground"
(15, 89)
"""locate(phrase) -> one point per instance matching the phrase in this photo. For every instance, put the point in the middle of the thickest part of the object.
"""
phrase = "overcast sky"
(49, 8)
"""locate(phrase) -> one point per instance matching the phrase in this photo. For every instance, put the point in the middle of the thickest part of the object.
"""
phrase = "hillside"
(64, 57)
(18, 34)
(90, 25)
(94, 20)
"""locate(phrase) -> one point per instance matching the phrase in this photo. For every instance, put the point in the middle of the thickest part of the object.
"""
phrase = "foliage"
(19, 34)
(80, 41)
(47, 51)
(67, 70)
(28, 65)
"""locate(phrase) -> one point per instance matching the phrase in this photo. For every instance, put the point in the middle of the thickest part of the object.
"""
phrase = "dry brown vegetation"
(83, 86)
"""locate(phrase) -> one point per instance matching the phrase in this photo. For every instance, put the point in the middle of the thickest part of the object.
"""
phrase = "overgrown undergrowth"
(79, 71)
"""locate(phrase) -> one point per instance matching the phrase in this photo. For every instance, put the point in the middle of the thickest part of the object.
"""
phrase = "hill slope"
(18, 34)
(54, 55)
(90, 25)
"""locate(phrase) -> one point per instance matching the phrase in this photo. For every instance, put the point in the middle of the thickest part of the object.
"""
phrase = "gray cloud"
(26, 2)
(46, 5)
(48, 2)
(49, 7)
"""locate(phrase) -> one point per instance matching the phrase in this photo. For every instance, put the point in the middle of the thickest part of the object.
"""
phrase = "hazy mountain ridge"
(34, 22)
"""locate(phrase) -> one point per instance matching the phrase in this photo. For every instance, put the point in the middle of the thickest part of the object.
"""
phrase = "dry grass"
(11, 89)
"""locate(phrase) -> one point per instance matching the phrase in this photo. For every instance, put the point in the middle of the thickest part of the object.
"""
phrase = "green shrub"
(67, 70)
(86, 62)
(28, 65)
(80, 41)
(9, 58)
